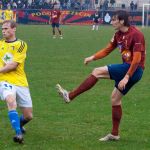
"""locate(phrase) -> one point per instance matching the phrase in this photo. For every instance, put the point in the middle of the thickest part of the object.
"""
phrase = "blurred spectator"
(50, 4)
(54, 4)
(112, 2)
(8, 5)
(132, 5)
(77, 6)
(33, 5)
(40, 4)
(68, 4)
(0, 4)
(105, 5)
(87, 3)
(135, 6)
(14, 5)
(19, 4)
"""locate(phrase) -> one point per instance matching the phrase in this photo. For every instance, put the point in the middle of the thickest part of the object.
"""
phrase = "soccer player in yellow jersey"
(13, 82)
(9, 14)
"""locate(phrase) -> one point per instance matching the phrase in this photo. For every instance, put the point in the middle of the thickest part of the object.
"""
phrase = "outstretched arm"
(100, 54)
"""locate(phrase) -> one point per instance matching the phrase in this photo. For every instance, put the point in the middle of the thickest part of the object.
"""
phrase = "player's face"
(116, 23)
(7, 31)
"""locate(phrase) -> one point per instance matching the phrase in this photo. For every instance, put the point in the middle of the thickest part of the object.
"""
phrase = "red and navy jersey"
(55, 16)
(130, 42)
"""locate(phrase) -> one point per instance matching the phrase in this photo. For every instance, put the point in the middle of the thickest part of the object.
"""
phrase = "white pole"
(143, 16)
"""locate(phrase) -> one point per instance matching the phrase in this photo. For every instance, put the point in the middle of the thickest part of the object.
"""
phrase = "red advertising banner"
(72, 17)
(43, 16)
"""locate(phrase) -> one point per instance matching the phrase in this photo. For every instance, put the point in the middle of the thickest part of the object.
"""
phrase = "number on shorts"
(8, 86)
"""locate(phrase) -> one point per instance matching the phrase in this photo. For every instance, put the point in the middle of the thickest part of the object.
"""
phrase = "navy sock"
(14, 120)
(23, 121)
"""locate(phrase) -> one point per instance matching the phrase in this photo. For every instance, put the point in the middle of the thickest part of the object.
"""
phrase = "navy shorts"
(55, 25)
(117, 73)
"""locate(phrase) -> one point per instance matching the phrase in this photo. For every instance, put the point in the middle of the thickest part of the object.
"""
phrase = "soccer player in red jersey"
(131, 44)
(55, 21)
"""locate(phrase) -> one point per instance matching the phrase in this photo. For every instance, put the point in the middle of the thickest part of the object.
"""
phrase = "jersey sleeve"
(135, 62)
(20, 53)
(104, 52)
(138, 43)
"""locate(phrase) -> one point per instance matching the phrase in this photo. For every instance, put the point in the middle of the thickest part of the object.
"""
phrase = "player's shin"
(14, 120)
(93, 27)
(23, 121)
(86, 85)
(53, 32)
(116, 118)
(97, 27)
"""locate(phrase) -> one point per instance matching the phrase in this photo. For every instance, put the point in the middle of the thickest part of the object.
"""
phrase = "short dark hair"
(122, 15)
(12, 23)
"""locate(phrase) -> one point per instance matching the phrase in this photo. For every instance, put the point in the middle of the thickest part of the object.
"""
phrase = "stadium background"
(76, 12)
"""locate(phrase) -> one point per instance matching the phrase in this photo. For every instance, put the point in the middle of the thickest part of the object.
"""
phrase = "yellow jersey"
(13, 52)
(8, 15)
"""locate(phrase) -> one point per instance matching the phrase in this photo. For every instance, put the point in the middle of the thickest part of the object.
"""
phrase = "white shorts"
(22, 94)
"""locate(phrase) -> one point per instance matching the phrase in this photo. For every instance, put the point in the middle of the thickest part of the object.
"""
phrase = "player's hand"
(122, 84)
(88, 59)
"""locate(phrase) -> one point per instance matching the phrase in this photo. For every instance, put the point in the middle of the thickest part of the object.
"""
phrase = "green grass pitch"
(78, 125)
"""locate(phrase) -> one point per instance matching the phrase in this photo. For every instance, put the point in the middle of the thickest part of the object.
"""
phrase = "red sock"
(86, 85)
(116, 117)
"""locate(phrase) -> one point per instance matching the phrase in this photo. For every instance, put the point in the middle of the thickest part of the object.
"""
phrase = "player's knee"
(115, 100)
(12, 105)
(29, 117)
(97, 71)
(11, 102)
(112, 98)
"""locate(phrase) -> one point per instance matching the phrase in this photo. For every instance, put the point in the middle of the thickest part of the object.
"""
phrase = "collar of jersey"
(11, 41)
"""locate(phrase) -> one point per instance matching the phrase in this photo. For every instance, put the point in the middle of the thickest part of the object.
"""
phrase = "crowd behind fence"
(71, 4)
